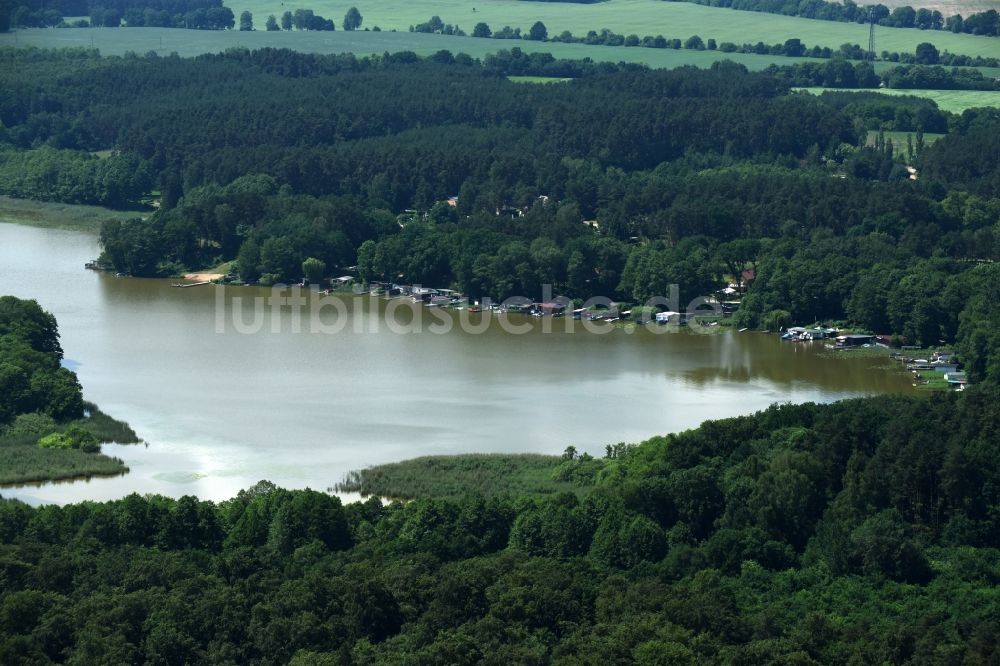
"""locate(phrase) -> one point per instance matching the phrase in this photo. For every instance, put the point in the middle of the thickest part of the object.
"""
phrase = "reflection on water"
(798, 363)
(13, 489)
(224, 410)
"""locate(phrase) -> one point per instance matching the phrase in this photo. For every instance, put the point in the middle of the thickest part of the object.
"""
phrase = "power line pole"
(870, 56)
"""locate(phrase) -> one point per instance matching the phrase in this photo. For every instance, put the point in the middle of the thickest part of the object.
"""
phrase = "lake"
(222, 408)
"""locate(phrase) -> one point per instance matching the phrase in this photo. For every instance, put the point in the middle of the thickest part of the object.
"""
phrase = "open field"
(59, 215)
(641, 17)
(955, 101)
(899, 139)
(946, 7)
(117, 41)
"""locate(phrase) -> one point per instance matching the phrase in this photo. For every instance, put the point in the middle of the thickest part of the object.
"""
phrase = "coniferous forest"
(864, 531)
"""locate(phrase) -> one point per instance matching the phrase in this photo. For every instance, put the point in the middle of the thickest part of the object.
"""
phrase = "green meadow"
(117, 41)
(899, 139)
(955, 101)
(640, 17)
(946, 7)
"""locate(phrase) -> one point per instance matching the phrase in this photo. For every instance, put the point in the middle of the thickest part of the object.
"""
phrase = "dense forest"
(31, 378)
(859, 532)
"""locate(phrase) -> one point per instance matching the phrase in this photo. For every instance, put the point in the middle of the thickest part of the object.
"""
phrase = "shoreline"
(203, 277)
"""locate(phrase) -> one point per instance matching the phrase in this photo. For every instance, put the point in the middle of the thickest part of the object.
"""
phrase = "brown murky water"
(222, 410)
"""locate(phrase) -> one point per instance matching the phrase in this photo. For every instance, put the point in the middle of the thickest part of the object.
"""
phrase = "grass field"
(59, 215)
(641, 17)
(116, 41)
(452, 476)
(954, 101)
(899, 138)
(946, 7)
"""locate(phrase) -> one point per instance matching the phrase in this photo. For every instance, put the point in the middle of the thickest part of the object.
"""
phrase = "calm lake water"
(222, 410)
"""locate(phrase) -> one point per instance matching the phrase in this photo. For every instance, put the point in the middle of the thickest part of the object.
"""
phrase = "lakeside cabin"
(671, 317)
(551, 308)
(798, 333)
(855, 340)
(423, 294)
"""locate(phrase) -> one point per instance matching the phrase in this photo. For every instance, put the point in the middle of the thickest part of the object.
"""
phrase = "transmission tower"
(870, 56)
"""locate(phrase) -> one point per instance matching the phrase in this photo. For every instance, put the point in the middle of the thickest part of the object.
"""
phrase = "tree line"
(902, 16)
(197, 14)
(193, 14)
(924, 54)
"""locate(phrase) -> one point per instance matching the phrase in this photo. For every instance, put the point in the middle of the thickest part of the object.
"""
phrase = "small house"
(956, 378)
(854, 340)
(671, 317)
(423, 294)
(551, 308)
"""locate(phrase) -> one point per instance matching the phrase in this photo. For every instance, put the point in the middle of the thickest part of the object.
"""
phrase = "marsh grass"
(31, 464)
(488, 474)
(23, 461)
(53, 215)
